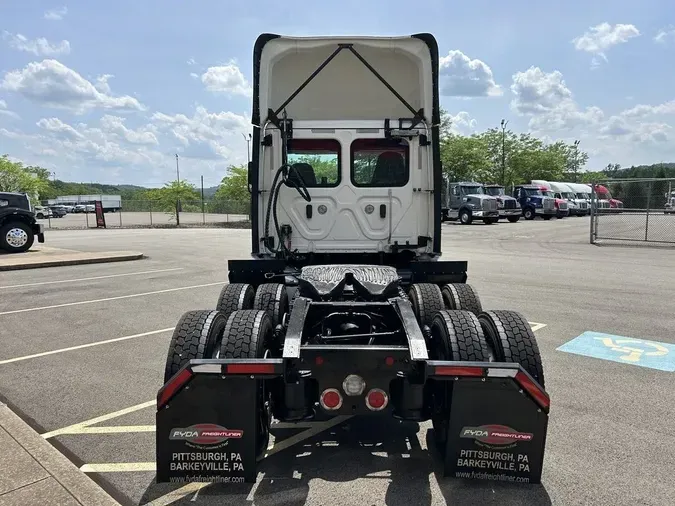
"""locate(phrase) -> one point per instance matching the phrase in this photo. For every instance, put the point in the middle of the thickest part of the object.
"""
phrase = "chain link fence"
(150, 214)
(633, 211)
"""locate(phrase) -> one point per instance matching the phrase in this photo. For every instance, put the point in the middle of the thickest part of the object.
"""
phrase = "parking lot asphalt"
(82, 349)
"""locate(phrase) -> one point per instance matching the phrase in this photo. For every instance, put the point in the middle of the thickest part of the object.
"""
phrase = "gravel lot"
(610, 439)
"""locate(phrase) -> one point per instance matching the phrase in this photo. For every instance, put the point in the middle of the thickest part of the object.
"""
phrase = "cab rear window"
(318, 161)
(380, 163)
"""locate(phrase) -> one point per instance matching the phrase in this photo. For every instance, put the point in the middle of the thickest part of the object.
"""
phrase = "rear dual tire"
(210, 334)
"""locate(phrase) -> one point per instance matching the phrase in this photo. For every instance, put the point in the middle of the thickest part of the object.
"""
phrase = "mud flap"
(206, 432)
(496, 432)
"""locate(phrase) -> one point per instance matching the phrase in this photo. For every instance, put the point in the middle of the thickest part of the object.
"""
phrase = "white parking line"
(93, 277)
(536, 326)
(67, 304)
(88, 345)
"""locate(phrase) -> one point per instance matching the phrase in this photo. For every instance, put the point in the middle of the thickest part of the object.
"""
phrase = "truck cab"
(509, 207)
(561, 206)
(18, 224)
(468, 201)
(606, 201)
(534, 202)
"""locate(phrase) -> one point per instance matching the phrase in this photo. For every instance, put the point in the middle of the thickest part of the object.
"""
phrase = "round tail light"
(377, 399)
(330, 399)
(353, 385)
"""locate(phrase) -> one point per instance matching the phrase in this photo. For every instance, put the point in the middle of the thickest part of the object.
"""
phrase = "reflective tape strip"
(208, 368)
(502, 373)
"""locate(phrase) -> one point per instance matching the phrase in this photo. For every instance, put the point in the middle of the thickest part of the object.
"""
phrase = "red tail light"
(172, 387)
(533, 389)
(250, 368)
(377, 399)
(444, 370)
(330, 399)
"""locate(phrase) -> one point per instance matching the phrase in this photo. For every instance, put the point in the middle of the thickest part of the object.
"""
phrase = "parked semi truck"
(509, 207)
(468, 201)
(603, 194)
(534, 202)
(669, 208)
(575, 205)
(111, 203)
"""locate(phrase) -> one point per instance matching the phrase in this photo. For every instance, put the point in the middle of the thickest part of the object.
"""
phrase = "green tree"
(234, 186)
(173, 196)
(14, 177)
(464, 158)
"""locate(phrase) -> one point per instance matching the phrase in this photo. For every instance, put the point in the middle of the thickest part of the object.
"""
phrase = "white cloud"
(227, 79)
(463, 77)
(5, 112)
(59, 128)
(115, 124)
(621, 129)
(600, 38)
(56, 14)
(205, 135)
(462, 123)
(102, 83)
(643, 110)
(194, 76)
(191, 61)
(664, 35)
(549, 102)
(38, 47)
(51, 83)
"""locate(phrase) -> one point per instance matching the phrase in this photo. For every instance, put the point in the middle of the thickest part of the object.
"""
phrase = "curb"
(74, 481)
(73, 261)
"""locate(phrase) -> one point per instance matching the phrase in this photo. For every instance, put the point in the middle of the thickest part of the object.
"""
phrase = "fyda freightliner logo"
(495, 435)
(205, 434)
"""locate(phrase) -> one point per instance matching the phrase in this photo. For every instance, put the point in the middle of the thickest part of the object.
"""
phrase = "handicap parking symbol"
(626, 350)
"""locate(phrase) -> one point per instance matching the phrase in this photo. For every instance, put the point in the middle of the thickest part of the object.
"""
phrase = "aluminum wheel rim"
(16, 237)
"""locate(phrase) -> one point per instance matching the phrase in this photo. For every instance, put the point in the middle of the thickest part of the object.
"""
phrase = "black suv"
(18, 226)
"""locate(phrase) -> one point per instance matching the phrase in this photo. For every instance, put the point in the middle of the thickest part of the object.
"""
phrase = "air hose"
(283, 173)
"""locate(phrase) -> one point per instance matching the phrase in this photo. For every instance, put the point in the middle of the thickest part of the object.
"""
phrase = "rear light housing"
(377, 399)
(330, 399)
(173, 386)
(353, 385)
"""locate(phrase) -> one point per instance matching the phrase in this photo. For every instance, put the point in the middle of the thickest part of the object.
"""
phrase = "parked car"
(534, 202)
(58, 211)
(42, 213)
(509, 207)
(80, 208)
(18, 225)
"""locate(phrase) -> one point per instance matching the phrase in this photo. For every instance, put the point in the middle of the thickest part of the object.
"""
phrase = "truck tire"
(16, 237)
(195, 336)
(465, 217)
(235, 296)
(455, 335)
(461, 296)
(547, 217)
(513, 219)
(511, 339)
(246, 335)
(426, 300)
(272, 297)
(528, 213)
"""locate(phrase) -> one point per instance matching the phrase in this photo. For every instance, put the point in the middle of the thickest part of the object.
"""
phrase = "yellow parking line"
(98, 419)
(536, 326)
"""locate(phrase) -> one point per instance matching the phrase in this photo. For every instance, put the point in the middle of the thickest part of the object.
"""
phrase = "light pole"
(576, 159)
(177, 199)
(177, 170)
(504, 123)
(248, 146)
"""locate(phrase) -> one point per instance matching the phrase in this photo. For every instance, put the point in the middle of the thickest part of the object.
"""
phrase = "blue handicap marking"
(626, 350)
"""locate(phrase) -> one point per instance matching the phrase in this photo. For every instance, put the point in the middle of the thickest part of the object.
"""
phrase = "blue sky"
(109, 92)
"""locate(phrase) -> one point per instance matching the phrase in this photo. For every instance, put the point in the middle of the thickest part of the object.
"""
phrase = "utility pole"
(504, 123)
(248, 147)
(576, 159)
(178, 199)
